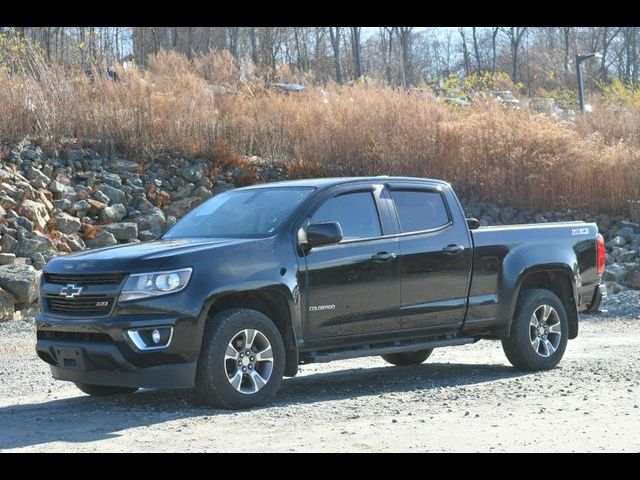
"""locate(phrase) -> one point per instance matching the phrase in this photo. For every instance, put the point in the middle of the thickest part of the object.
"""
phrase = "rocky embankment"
(71, 198)
(74, 198)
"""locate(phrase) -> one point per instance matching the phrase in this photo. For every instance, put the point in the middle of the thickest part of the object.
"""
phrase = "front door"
(353, 287)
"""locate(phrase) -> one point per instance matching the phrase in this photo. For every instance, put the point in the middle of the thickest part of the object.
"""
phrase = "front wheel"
(539, 331)
(242, 360)
(104, 390)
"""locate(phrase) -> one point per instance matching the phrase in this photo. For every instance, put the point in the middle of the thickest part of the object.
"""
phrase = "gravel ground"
(462, 399)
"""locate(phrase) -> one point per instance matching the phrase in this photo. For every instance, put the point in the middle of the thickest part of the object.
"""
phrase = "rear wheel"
(242, 360)
(104, 390)
(539, 331)
(407, 358)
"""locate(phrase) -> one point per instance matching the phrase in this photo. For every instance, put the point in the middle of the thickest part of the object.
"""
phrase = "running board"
(369, 351)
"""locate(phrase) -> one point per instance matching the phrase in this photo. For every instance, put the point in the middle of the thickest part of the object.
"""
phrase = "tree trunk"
(476, 49)
(355, 31)
(334, 34)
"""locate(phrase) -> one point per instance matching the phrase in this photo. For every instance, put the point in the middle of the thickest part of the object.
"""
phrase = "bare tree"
(355, 42)
(334, 34)
(515, 36)
(403, 34)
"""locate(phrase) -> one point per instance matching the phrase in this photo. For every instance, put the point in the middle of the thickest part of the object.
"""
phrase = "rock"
(193, 173)
(21, 281)
(633, 279)
(613, 287)
(101, 197)
(202, 192)
(36, 212)
(24, 222)
(38, 261)
(95, 206)
(58, 187)
(146, 235)
(614, 273)
(123, 231)
(141, 204)
(63, 204)
(76, 154)
(184, 191)
(74, 243)
(8, 244)
(7, 258)
(616, 241)
(152, 219)
(635, 227)
(112, 179)
(7, 303)
(37, 178)
(626, 255)
(29, 154)
(120, 165)
(28, 246)
(114, 213)
(627, 233)
(179, 207)
(102, 239)
(222, 187)
(66, 223)
(80, 208)
(115, 195)
(604, 223)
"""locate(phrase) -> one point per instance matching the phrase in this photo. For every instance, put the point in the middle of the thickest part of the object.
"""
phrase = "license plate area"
(70, 358)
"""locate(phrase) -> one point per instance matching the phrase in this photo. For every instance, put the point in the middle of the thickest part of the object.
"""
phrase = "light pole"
(579, 60)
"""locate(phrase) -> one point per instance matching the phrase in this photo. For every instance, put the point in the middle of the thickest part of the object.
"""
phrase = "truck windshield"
(250, 213)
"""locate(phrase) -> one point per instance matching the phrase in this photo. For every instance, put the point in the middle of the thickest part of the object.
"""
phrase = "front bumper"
(99, 352)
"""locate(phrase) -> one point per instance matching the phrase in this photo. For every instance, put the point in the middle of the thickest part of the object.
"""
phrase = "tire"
(220, 381)
(407, 358)
(104, 390)
(520, 348)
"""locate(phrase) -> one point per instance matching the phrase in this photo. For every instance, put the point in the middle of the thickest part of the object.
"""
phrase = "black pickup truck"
(258, 280)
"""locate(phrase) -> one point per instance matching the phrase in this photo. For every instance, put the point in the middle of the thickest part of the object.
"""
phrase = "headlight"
(143, 285)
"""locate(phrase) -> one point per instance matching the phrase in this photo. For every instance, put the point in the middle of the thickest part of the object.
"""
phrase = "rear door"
(353, 288)
(435, 257)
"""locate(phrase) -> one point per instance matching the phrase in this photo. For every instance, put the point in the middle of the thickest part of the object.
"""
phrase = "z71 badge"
(579, 231)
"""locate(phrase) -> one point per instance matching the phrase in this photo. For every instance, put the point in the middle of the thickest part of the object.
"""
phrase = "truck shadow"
(85, 419)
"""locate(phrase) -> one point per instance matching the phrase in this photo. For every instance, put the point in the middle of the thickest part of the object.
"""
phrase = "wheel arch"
(270, 301)
(557, 279)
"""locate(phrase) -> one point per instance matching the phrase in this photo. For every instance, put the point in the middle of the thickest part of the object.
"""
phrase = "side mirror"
(473, 223)
(323, 234)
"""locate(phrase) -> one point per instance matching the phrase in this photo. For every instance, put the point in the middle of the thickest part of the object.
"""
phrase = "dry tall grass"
(211, 105)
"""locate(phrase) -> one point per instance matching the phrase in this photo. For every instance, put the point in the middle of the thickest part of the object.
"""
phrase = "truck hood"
(139, 257)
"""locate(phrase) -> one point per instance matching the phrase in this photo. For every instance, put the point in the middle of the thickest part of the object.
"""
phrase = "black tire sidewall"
(407, 358)
(519, 343)
(212, 374)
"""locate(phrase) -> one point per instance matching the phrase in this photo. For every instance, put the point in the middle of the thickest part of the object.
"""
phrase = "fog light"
(153, 338)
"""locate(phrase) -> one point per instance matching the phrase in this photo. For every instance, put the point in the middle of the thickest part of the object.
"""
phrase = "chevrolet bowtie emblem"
(70, 291)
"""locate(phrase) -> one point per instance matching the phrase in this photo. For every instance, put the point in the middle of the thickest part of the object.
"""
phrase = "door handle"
(453, 249)
(383, 257)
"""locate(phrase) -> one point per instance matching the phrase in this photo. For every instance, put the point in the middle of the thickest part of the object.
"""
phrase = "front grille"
(86, 305)
(91, 279)
(87, 337)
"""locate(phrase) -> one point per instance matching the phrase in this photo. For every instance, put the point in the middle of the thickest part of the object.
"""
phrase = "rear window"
(420, 210)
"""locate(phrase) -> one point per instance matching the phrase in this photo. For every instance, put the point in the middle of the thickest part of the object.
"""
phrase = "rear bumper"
(599, 294)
